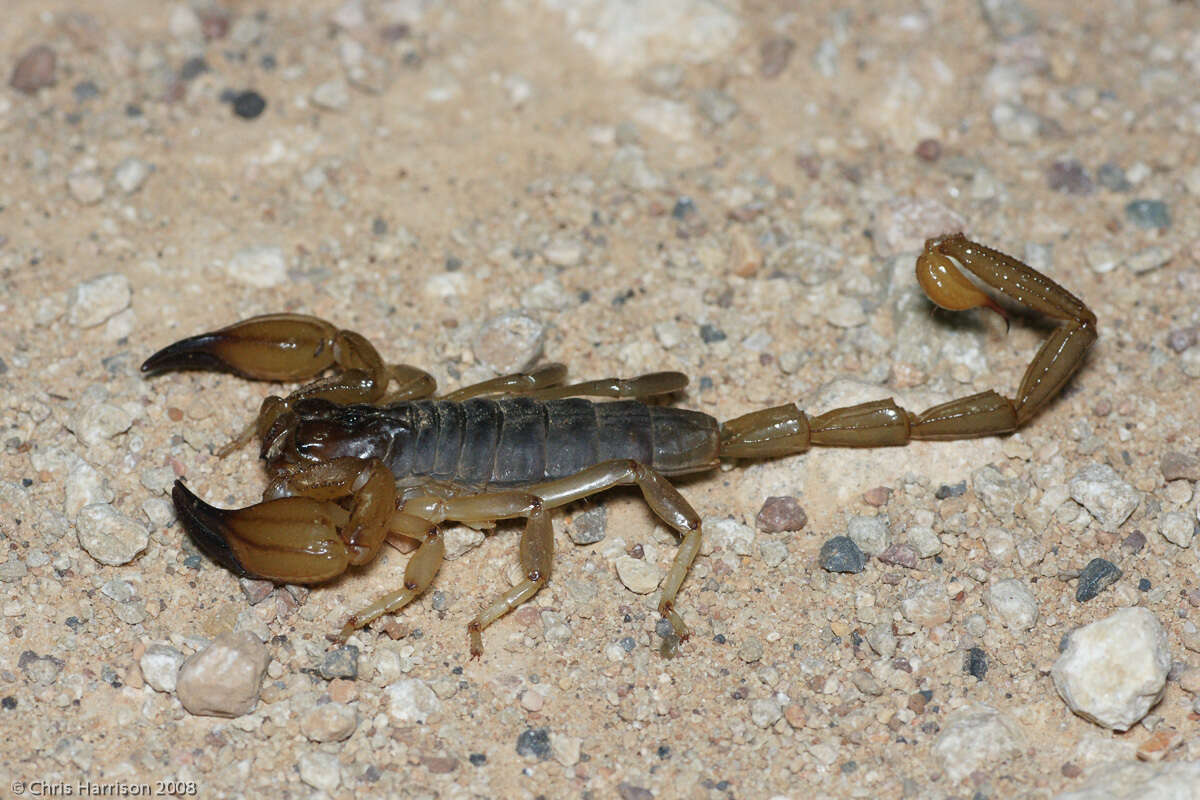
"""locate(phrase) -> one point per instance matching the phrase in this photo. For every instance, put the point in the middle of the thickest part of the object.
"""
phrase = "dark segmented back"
(510, 442)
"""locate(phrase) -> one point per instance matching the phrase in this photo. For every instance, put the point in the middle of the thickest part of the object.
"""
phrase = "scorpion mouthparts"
(196, 352)
(206, 526)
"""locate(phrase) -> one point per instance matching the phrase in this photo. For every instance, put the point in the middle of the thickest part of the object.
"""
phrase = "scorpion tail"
(290, 540)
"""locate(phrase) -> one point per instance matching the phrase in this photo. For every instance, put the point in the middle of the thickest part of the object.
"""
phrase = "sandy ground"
(736, 191)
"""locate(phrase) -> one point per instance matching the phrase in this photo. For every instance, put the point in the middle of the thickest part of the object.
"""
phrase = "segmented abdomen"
(518, 441)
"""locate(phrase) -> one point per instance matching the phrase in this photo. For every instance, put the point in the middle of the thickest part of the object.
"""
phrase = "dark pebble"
(947, 490)
(664, 751)
(85, 90)
(627, 644)
(976, 663)
(248, 104)
(534, 742)
(1148, 214)
(929, 150)
(1095, 578)
(477, 759)
(379, 227)
(341, 663)
(1144, 585)
(1176, 466)
(780, 514)
(8, 703)
(629, 791)
(34, 69)
(849, 767)
(1070, 770)
(684, 208)
(841, 554)
(1181, 339)
(1069, 177)
(1112, 177)
(776, 52)
(372, 774)
(193, 67)
(711, 333)
(1134, 542)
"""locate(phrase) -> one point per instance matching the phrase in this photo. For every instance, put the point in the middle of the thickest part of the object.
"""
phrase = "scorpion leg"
(650, 385)
(537, 540)
(517, 383)
(785, 429)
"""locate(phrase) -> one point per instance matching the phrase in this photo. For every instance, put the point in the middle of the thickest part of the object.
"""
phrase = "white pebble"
(1177, 528)
(978, 738)
(160, 667)
(130, 174)
(1099, 489)
(332, 95)
(86, 186)
(1013, 603)
(871, 534)
(459, 539)
(223, 679)
(85, 486)
(765, 712)
(321, 771)
(329, 722)
(637, 575)
(925, 541)
(95, 300)
(1114, 670)
(109, 536)
(733, 536)
(260, 266)
(411, 700)
(100, 422)
(926, 605)
(509, 343)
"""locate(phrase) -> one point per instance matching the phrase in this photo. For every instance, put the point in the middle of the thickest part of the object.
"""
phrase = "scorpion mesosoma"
(351, 462)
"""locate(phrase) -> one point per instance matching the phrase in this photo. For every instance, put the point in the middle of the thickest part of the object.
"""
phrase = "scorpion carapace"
(367, 451)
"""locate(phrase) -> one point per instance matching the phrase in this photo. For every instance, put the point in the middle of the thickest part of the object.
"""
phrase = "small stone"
(1014, 603)
(566, 749)
(41, 670)
(926, 604)
(460, 540)
(1134, 542)
(34, 69)
(841, 554)
(260, 266)
(95, 300)
(322, 771)
(977, 739)
(160, 667)
(1069, 177)
(100, 422)
(1148, 260)
(589, 527)
(751, 650)
(1179, 466)
(871, 534)
(975, 663)
(1113, 671)
(1099, 489)
(563, 252)
(731, 535)
(340, 663)
(86, 186)
(773, 552)
(248, 104)
(775, 54)
(131, 173)
(1177, 528)
(332, 95)
(1112, 177)
(223, 679)
(411, 700)
(882, 639)
(1148, 214)
(877, 496)
(638, 576)
(256, 590)
(711, 334)
(716, 106)
(901, 555)
(765, 711)
(1097, 576)
(509, 343)
(109, 536)
(535, 743)
(329, 722)
(532, 700)
(928, 150)
(85, 486)
(925, 541)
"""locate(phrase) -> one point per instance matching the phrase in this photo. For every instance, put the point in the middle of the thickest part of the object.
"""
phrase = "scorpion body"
(352, 462)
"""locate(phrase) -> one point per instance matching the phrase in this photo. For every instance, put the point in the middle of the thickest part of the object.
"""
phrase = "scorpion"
(352, 463)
